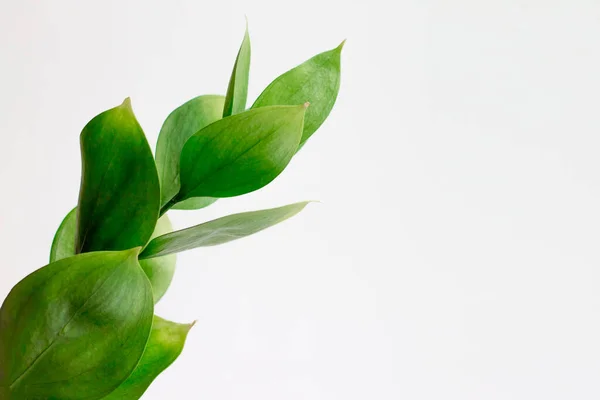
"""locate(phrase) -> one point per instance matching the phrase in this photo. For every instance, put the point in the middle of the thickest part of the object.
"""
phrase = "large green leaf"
(220, 230)
(182, 123)
(164, 346)
(316, 81)
(119, 198)
(76, 328)
(159, 270)
(237, 92)
(240, 153)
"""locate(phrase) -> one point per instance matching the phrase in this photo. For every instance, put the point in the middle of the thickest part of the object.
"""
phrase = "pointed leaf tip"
(127, 103)
(341, 46)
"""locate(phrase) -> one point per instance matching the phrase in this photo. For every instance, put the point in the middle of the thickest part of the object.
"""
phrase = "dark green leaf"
(182, 123)
(195, 203)
(316, 81)
(76, 328)
(164, 346)
(119, 198)
(159, 270)
(237, 92)
(220, 230)
(241, 153)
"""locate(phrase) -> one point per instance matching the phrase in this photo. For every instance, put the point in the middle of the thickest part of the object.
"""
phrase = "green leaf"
(159, 270)
(316, 81)
(182, 123)
(241, 153)
(119, 198)
(237, 92)
(195, 203)
(76, 328)
(164, 346)
(220, 230)
(63, 245)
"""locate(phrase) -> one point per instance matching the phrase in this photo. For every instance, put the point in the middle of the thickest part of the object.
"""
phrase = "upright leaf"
(316, 81)
(63, 245)
(119, 198)
(164, 346)
(241, 153)
(182, 123)
(237, 92)
(220, 230)
(76, 328)
(159, 270)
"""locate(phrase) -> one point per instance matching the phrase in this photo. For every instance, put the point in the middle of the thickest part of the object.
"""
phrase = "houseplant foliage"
(83, 326)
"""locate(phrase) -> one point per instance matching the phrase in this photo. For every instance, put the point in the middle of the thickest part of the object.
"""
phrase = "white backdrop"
(455, 252)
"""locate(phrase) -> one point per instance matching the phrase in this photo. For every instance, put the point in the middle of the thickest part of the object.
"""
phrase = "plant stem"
(168, 206)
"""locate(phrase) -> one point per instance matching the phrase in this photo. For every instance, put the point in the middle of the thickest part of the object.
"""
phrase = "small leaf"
(76, 328)
(63, 245)
(182, 123)
(220, 230)
(195, 203)
(316, 81)
(164, 346)
(119, 198)
(241, 153)
(159, 270)
(237, 92)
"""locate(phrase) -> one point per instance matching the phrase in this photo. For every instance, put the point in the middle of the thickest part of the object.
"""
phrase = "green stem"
(168, 206)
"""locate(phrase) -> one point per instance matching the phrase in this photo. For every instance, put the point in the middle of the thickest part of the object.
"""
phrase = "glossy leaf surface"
(195, 203)
(237, 92)
(76, 328)
(164, 346)
(241, 153)
(120, 195)
(182, 123)
(316, 81)
(159, 270)
(220, 230)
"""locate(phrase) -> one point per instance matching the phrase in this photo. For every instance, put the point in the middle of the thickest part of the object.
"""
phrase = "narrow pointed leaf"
(182, 123)
(237, 92)
(164, 346)
(241, 153)
(119, 198)
(220, 230)
(159, 270)
(316, 81)
(76, 328)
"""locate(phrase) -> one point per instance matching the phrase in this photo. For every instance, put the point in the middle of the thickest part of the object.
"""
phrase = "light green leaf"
(182, 123)
(164, 346)
(237, 92)
(63, 245)
(119, 198)
(240, 153)
(194, 203)
(159, 270)
(220, 230)
(316, 81)
(76, 328)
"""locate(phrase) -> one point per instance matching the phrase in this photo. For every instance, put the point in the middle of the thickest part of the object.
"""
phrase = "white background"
(455, 254)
